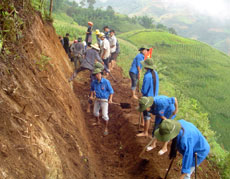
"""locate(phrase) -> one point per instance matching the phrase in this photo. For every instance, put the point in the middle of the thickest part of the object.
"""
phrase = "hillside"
(187, 22)
(198, 70)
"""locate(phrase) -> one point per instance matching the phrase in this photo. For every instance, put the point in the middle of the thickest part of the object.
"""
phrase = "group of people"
(186, 138)
(99, 59)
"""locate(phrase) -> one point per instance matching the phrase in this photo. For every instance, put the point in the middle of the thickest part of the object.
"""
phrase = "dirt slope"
(42, 128)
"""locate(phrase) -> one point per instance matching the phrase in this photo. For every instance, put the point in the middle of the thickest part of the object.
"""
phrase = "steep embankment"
(43, 132)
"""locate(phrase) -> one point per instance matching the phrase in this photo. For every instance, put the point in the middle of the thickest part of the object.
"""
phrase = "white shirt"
(113, 42)
(105, 46)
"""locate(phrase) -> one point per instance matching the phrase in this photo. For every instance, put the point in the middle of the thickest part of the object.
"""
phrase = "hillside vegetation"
(198, 70)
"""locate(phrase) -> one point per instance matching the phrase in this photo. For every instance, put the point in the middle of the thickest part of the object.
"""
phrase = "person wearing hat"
(135, 70)
(186, 139)
(150, 87)
(88, 37)
(91, 56)
(103, 90)
(99, 42)
(105, 51)
(163, 108)
(77, 50)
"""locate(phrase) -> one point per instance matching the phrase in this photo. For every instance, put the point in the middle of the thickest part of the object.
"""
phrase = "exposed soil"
(119, 151)
(45, 131)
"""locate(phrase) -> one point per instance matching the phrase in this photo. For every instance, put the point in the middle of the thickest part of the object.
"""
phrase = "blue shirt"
(189, 142)
(137, 63)
(148, 86)
(103, 88)
(162, 106)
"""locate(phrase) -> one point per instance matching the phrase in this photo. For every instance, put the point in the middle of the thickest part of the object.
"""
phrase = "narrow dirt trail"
(118, 152)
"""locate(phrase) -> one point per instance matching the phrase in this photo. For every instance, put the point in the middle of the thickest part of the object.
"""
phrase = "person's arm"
(139, 72)
(110, 89)
(111, 98)
(98, 58)
(176, 106)
(92, 91)
(187, 160)
(145, 86)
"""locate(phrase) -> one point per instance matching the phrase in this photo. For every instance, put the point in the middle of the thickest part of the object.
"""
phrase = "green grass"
(65, 24)
(199, 70)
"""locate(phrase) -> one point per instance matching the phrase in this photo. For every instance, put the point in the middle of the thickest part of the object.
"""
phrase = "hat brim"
(144, 65)
(168, 137)
(94, 47)
(144, 107)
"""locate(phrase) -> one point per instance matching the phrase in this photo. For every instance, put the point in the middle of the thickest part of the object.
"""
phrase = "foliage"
(11, 24)
(43, 62)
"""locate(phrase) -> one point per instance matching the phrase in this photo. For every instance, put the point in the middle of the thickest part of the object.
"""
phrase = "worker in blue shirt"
(135, 70)
(103, 90)
(150, 87)
(188, 140)
(163, 108)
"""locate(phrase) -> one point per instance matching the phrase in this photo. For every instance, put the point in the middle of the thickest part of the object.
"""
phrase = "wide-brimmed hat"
(90, 23)
(97, 31)
(95, 46)
(148, 63)
(144, 103)
(96, 71)
(143, 48)
(99, 65)
(167, 130)
(102, 35)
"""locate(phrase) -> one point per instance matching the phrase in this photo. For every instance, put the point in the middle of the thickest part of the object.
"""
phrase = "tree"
(58, 4)
(172, 30)
(82, 3)
(146, 21)
(91, 3)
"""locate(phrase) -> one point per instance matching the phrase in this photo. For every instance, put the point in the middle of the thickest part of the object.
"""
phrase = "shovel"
(170, 165)
(123, 105)
(195, 165)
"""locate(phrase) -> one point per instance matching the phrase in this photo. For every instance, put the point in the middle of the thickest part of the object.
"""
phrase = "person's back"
(136, 63)
(78, 49)
(191, 141)
(66, 43)
(90, 56)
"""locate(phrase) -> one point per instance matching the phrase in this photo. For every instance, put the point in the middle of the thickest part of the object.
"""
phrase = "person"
(106, 32)
(78, 50)
(61, 40)
(88, 37)
(91, 55)
(163, 108)
(104, 94)
(99, 42)
(113, 43)
(135, 70)
(66, 44)
(150, 87)
(101, 67)
(186, 139)
(105, 51)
